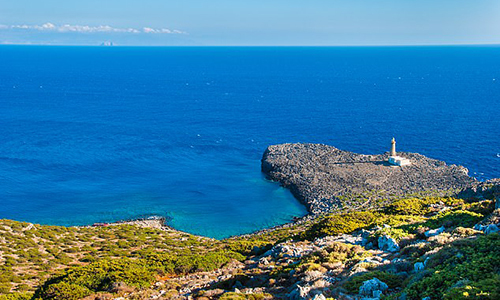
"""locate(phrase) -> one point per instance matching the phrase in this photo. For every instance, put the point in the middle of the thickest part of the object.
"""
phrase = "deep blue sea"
(98, 134)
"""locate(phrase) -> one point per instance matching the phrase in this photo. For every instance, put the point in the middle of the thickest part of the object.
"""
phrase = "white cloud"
(90, 29)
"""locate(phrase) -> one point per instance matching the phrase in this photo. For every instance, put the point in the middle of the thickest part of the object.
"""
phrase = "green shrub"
(419, 206)
(16, 296)
(396, 233)
(97, 276)
(192, 262)
(482, 289)
(462, 218)
(484, 207)
(5, 287)
(65, 291)
(339, 224)
(473, 261)
(246, 247)
(410, 206)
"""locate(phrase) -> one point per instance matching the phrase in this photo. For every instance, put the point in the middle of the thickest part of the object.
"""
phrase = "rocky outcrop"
(386, 243)
(321, 176)
(373, 288)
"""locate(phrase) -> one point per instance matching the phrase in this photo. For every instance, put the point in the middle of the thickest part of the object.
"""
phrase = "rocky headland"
(324, 177)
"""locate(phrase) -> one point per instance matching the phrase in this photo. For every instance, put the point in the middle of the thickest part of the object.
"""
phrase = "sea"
(102, 134)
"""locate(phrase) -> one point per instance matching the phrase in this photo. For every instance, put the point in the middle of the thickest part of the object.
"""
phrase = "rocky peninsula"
(324, 177)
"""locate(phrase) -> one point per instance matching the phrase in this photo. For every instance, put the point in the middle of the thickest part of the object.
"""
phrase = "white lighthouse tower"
(396, 160)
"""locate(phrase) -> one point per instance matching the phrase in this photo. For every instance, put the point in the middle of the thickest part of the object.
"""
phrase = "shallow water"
(102, 134)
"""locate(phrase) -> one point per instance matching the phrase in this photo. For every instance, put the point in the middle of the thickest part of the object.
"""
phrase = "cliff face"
(321, 176)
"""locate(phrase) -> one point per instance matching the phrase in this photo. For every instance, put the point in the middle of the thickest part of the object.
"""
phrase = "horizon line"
(251, 46)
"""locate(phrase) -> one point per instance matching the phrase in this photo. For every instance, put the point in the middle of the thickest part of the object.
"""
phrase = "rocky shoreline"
(324, 178)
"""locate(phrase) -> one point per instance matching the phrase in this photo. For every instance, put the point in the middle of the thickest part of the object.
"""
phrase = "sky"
(249, 23)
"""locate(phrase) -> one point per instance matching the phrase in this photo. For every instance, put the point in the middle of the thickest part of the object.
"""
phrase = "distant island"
(386, 226)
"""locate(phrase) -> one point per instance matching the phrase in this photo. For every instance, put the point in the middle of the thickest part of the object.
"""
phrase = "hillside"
(416, 238)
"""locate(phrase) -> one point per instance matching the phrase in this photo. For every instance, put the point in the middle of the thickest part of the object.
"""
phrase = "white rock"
(434, 232)
(263, 261)
(369, 286)
(386, 243)
(301, 292)
(319, 297)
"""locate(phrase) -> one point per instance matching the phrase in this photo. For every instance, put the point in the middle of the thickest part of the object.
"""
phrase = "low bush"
(465, 269)
(462, 218)
(16, 296)
(193, 262)
(97, 276)
(419, 206)
(245, 247)
(65, 291)
(396, 233)
(339, 224)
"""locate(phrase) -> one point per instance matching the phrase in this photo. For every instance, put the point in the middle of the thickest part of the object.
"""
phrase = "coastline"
(307, 197)
(457, 182)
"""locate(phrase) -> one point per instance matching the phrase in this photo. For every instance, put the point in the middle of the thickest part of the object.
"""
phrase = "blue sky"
(255, 22)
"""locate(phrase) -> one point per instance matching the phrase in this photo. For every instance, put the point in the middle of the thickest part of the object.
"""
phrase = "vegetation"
(52, 262)
(392, 280)
(239, 296)
(465, 269)
(340, 223)
(31, 254)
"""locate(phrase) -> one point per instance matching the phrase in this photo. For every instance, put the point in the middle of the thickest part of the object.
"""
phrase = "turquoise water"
(104, 134)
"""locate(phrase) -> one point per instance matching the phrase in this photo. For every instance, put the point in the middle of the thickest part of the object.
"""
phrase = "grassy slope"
(70, 263)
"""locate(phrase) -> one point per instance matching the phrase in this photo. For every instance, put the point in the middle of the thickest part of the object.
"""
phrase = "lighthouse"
(393, 147)
(396, 160)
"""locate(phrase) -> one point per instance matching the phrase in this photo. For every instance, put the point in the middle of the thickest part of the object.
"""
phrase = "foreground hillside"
(441, 248)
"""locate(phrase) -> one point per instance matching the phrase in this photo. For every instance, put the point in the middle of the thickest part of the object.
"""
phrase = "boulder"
(301, 292)
(319, 297)
(386, 243)
(434, 232)
(372, 287)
